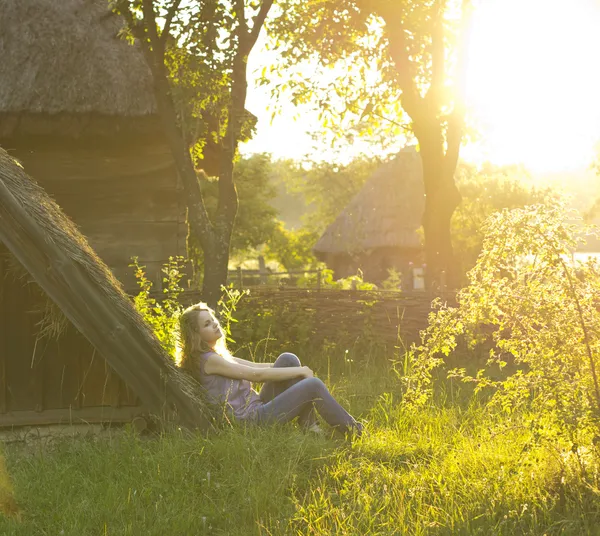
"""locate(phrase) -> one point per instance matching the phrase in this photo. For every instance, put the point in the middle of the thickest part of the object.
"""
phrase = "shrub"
(540, 310)
(162, 315)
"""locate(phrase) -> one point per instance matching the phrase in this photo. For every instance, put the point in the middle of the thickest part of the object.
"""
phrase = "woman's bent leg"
(270, 390)
(302, 395)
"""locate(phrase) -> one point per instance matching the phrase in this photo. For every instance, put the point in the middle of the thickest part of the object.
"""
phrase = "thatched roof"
(66, 57)
(386, 212)
(57, 255)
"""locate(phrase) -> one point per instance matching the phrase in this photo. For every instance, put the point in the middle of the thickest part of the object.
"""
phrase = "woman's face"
(209, 328)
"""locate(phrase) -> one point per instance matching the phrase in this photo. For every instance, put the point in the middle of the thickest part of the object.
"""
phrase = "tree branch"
(438, 60)
(258, 22)
(137, 28)
(240, 12)
(150, 25)
(123, 9)
(412, 102)
(456, 121)
(168, 21)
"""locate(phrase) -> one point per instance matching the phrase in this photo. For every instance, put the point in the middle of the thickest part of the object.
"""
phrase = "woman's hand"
(306, 372)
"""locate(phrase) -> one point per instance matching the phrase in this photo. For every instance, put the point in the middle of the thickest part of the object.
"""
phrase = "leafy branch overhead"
(382, 68)
(195, 49)
(395, 59)
(198, 54)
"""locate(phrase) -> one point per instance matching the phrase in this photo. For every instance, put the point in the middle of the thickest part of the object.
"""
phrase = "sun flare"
(533, 90)
(534, 84)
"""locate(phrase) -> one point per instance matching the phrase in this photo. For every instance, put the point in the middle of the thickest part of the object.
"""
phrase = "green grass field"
(450, 469)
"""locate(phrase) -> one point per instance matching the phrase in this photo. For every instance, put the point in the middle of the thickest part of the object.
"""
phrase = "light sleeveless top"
(238, 397)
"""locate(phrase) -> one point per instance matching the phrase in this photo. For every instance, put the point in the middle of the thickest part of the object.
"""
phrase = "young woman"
(290, 390)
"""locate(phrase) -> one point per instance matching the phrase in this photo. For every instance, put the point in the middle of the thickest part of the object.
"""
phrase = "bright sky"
(533, 85)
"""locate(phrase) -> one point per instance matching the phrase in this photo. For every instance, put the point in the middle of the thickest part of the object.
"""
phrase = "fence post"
(240, 276)
(319, 279)
(262, 270)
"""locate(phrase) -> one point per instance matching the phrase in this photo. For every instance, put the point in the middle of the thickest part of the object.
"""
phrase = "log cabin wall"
(45, 381)
(126, 199)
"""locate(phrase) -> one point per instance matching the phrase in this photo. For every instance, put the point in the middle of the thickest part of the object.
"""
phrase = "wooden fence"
(244, 278)
(390, 316)
(412, 279)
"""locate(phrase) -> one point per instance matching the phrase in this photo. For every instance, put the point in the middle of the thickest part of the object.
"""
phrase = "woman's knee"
(315, 385)
(287, 359)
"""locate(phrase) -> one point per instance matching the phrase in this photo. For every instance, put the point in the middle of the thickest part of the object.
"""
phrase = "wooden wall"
(44, 381)
(125, 199)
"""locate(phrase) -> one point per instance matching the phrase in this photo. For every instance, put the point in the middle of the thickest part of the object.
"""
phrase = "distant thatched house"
(126, 372)
(77, 110)
(379, 229)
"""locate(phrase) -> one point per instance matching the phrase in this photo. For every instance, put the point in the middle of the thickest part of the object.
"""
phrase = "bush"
(162, 315)
(540, 310)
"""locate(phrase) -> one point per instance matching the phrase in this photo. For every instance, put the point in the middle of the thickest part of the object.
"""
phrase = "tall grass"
(446, 469)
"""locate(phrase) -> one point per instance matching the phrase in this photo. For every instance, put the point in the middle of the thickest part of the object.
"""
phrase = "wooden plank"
(160, 180)
(111, 395)
(88, 165)
(149, 205)
(116, 244)
(61, 380)
(19, 325)
(92, 381)
(126, 276)
(127, 396)
(100, 385)
(37, 371)
(72, 416)
(31, 129)
(3, 341)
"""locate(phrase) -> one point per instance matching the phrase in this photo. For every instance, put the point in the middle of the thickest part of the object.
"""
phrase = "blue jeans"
(286, 400)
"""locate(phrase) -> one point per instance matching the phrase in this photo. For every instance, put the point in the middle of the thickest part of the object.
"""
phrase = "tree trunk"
(216, 258)
(441, 200)
(216, 263)
(439, 254)
(213, 238)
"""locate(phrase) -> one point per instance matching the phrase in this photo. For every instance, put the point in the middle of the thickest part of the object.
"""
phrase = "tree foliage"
(292, 248)
(327, 188)
(162, 315)
(256, 220)
(383, 55)
(395, 66)
(486, 190)
(198, 53)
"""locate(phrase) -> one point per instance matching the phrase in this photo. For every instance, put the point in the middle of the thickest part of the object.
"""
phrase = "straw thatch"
(67, 57)
(59, 258)
(385, 213)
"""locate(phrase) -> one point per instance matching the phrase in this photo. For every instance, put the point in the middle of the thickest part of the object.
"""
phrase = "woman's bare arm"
(215, 364)
(252, 363)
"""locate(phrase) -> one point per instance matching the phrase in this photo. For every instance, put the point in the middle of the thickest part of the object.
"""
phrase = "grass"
(449, 469)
